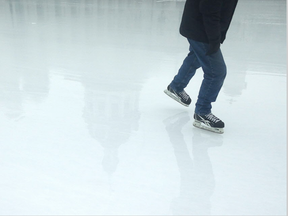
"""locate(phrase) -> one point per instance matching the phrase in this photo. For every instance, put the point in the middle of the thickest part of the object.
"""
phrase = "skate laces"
(184, 95)
(212, 118)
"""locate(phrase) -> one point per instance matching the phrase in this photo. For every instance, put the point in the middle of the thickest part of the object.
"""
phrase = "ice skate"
(209, 122)
(181, 97)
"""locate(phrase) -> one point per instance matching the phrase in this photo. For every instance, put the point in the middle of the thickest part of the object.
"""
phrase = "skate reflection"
(197, 181)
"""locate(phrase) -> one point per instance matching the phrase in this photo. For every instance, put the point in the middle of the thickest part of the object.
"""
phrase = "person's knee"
(223, 71)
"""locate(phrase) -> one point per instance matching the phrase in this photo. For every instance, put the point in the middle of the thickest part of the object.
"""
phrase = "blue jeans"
(214, 69)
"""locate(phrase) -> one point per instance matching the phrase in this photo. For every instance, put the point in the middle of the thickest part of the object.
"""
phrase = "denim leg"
(214, 68)
(186, 72)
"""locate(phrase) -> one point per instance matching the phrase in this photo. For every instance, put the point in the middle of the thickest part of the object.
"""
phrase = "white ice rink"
(85, 128)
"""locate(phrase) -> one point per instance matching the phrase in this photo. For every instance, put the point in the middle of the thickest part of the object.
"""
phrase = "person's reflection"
(196, 175)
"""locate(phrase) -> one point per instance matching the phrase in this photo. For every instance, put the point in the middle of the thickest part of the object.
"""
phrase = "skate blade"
(175, 97)
(201, 125)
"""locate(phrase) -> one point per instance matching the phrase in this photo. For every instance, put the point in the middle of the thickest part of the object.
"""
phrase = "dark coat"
(207, 20)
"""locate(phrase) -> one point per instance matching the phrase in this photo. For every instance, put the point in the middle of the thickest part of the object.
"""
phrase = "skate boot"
(181, 97)
(209, 122)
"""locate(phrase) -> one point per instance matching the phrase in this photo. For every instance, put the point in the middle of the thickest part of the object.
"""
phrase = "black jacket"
(207, 20)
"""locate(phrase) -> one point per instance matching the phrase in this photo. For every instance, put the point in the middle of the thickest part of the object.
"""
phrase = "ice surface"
(86, 128)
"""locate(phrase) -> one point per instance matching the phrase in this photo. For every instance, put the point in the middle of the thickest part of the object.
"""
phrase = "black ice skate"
(209, 122)
(181, 97)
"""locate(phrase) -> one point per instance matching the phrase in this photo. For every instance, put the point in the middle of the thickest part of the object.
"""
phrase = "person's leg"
(214, 69)
(186, 71)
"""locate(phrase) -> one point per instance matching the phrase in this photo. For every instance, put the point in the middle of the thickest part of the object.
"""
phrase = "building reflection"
(98, 43)
(111, 116)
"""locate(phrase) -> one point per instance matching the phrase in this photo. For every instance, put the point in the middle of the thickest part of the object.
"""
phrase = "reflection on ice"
(112, 114)
(196, 173)
(86, 128)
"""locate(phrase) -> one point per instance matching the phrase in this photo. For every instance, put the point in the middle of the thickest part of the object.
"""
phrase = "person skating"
(205, 24)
